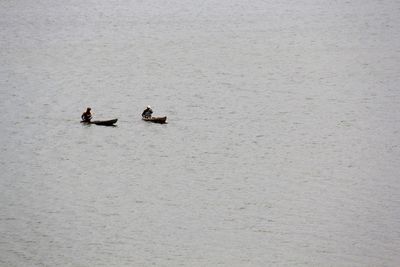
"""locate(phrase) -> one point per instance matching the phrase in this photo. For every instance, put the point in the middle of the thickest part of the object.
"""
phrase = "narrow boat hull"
(161, 120)
(103, 123)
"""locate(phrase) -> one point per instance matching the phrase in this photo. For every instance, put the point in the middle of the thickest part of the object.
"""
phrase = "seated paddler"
(147, 112)
(86, 116)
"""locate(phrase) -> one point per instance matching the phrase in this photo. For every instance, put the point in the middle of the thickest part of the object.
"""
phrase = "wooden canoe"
(103, 123)
(156, 119)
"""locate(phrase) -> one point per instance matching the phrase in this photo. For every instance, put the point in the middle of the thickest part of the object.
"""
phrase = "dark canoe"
(156, 119)
(103, 123)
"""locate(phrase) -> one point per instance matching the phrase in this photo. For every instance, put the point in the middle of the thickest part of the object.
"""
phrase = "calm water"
(282, 147)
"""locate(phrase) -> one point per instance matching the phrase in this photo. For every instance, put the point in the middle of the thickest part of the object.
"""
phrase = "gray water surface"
(282, 147)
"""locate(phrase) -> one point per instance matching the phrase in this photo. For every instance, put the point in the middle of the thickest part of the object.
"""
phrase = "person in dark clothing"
(147, 112)
(86, 116)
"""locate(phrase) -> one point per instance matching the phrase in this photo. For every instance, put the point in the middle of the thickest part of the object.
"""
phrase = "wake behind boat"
(103, 123)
